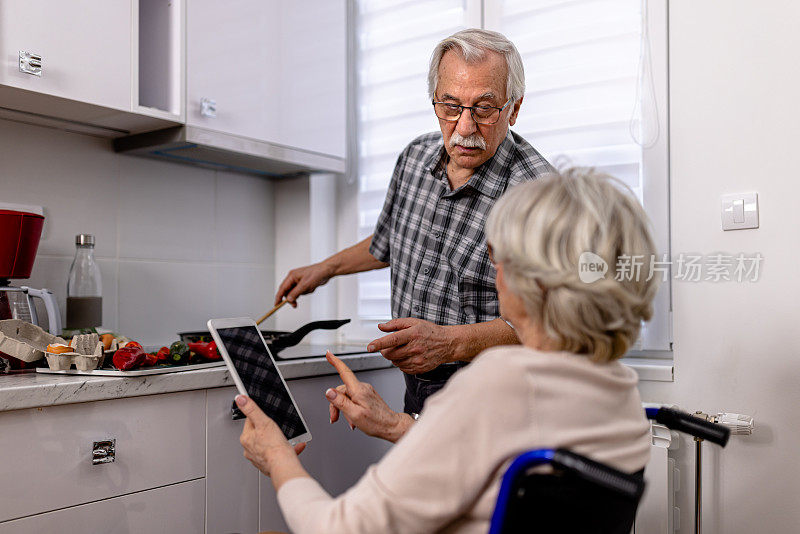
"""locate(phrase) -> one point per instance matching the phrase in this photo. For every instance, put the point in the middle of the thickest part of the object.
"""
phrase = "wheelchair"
(581, 496)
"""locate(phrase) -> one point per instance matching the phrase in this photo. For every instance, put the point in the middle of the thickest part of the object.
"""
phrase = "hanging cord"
(644, 124)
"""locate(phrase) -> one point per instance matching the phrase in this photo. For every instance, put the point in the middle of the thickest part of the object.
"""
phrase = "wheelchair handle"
(684, 422)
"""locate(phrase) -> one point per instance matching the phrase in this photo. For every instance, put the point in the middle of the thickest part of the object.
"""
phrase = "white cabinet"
(232, 481)
(106, 68)
(85, 48)
(275, 70)
(178, 463)
(177, 509)
(160, 440)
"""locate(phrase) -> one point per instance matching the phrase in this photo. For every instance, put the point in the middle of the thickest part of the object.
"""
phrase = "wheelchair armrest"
(626, 485)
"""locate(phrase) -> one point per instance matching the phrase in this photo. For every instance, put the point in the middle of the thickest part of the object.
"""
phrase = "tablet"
(255, 374)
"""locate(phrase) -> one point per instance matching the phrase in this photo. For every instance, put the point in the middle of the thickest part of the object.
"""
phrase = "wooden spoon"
(269, 313)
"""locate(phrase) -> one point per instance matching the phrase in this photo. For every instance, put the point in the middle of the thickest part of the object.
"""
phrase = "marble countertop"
(31, 390)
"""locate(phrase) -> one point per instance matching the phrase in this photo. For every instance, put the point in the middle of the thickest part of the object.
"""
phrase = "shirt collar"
(490, 178)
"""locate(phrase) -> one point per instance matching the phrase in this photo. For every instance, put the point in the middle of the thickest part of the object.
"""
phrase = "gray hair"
(473, 44)
(540, 230)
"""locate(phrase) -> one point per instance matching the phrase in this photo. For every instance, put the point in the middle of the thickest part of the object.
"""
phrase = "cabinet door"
(177, 509)
(85, 46)
(232, 481)
(276, 70)
(313, 52)
(336, 456)
(160, 440)
(231, 59)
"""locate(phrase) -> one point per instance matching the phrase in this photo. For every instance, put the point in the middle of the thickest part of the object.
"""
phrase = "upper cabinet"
(76, 50)
(249, 85)
(77, 64)
(269, 70)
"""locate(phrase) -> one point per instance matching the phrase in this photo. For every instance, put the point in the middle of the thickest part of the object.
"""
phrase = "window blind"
(582, 64)
(394, 40)
(581, 60)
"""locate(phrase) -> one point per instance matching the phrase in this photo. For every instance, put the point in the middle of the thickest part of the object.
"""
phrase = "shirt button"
(437, 235)
(416, 307)
(425, 270)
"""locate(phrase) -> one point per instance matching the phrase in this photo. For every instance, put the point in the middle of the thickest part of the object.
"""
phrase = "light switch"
(740, 211)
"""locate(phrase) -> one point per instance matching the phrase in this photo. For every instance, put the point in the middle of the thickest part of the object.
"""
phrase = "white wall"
(176, 245)
(735, 125)
(305, 232)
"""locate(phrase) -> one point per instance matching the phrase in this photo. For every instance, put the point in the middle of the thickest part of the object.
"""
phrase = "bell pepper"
(150, 359)
(178, 353)
(162, 354)
(206, 350)
(128, 358)
(130, 344)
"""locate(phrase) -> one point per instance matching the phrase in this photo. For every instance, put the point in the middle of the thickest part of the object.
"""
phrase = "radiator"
(658, 513)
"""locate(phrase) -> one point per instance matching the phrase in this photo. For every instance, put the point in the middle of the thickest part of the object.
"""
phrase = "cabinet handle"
(103, 452)
(30, 63)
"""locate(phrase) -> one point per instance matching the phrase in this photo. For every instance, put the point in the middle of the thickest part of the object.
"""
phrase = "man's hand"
(417, 346)
(363, 407)
(264, 443)
(302, 281)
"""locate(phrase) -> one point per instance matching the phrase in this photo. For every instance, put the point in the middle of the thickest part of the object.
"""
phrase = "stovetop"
(318, 351)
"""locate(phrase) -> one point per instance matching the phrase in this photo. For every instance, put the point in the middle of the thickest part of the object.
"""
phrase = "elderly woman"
(562, 388)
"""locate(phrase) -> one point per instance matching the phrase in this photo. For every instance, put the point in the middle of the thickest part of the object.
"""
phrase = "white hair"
(539, 230)
(473, 44)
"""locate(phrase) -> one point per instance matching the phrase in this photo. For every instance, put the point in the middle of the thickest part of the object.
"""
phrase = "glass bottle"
(84, 288)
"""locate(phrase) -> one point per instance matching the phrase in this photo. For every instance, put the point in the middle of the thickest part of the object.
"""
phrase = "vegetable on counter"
(150, 359)
(179, 353)
(107, 340)
(207, 350)
(128, 358)
(58, 348)
(163, 354)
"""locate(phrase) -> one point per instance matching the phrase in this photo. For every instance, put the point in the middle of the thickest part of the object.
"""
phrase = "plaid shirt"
(433, 237)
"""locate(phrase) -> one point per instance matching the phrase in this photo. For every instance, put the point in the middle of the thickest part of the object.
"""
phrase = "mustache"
(472, 141)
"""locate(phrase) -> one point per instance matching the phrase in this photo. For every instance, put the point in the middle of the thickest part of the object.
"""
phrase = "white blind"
(394, 41)
(582, 63)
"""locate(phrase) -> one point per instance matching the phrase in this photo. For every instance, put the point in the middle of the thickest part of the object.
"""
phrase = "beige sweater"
(444, 474)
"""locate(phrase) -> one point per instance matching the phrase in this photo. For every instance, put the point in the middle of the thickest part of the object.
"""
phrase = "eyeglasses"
(448, 111)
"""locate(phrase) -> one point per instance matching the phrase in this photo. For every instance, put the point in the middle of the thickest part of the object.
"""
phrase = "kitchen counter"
(31, 390)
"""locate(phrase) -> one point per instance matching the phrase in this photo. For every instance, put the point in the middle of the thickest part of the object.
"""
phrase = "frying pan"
(277, 340)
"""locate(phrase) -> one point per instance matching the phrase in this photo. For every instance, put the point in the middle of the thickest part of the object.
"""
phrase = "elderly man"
(444, 302)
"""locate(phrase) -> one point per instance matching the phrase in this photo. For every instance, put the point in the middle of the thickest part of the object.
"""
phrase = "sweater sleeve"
(433, 475)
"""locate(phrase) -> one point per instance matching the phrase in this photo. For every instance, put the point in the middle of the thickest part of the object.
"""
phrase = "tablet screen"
(260, 377)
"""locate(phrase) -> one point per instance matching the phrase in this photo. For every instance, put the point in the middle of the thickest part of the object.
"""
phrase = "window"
(393, 45)
(596, 96)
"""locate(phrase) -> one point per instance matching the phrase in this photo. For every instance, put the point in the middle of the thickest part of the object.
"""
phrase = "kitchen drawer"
(47, 452)
(177, 509)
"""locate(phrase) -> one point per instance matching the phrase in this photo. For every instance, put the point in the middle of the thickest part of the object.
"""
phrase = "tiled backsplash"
(176, 245)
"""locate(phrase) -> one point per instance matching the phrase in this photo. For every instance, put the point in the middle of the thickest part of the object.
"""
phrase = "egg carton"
(25, 341)
(87, 354)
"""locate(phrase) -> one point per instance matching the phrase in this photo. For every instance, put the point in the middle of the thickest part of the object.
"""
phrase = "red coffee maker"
(20, 231)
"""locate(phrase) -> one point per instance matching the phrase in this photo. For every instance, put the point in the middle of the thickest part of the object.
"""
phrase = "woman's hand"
(363, 407)
(266, 447)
